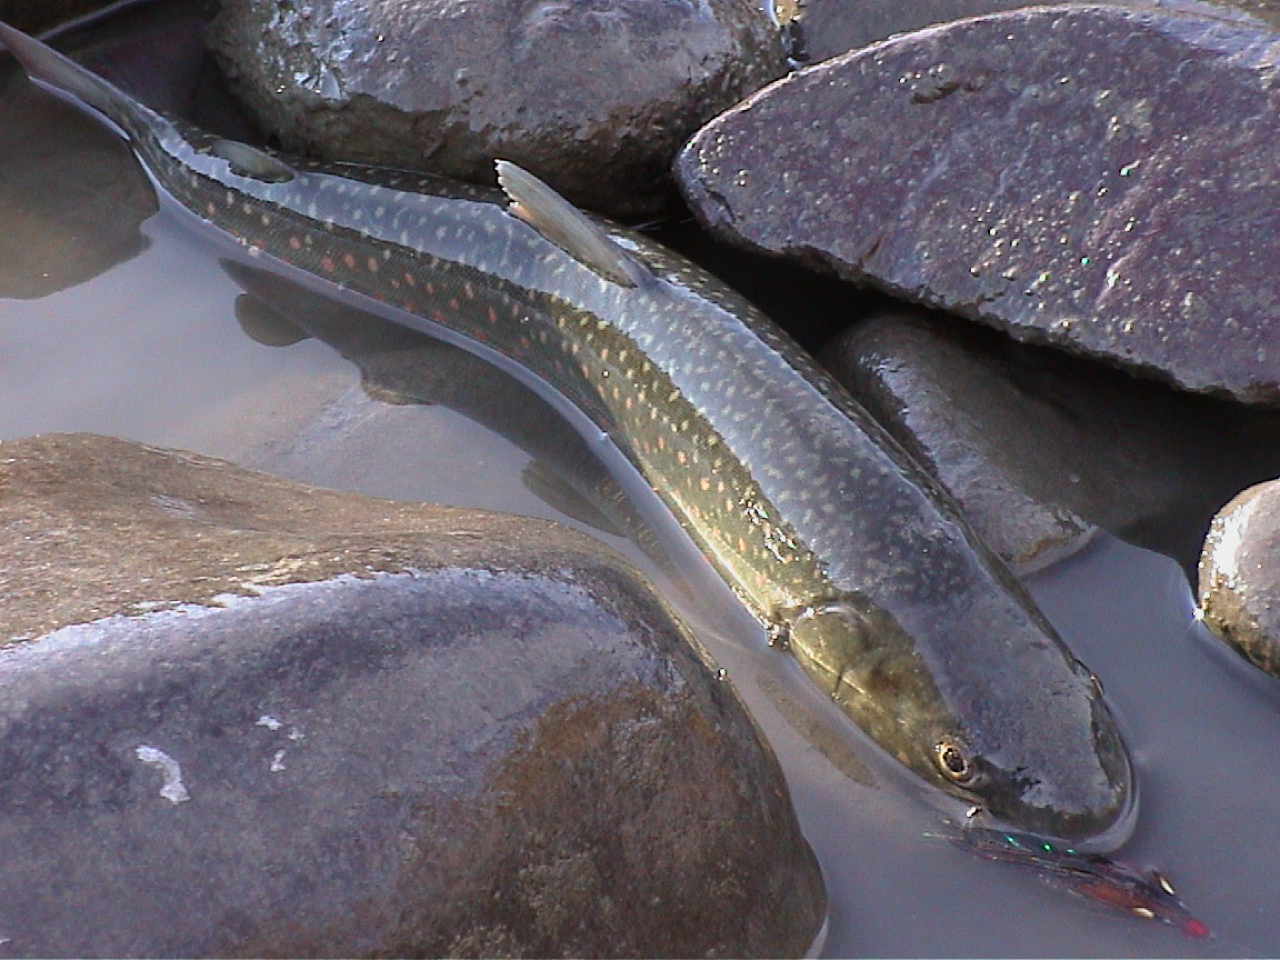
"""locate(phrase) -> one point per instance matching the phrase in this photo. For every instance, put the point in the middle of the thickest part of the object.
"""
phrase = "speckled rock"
(1240, 576)
(594, 98)
(246, 717)
(832, 27)
(1041, 448)
(1045, 171)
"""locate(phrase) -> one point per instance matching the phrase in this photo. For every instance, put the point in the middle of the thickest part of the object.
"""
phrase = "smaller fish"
(1146, 894)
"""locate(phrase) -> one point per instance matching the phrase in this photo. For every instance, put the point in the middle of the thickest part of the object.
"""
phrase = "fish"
(1145, 894)
(849, 554)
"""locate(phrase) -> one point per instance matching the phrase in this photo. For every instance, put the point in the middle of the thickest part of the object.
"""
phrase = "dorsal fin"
(568, 228)
(247, 161)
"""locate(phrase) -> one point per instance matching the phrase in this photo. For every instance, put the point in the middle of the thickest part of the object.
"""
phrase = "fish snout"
(1086, 795)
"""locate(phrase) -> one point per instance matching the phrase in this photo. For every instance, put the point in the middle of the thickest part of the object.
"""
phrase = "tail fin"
(51, 69)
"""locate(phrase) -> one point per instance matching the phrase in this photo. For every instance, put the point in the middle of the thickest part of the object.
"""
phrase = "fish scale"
(848, 552)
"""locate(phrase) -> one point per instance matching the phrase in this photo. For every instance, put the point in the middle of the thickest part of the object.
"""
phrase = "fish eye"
(955, 762)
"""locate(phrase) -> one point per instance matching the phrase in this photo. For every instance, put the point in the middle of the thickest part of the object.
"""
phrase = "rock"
(242, 716)
(832, 27)
(1041, 448)
(1239, 582)
(34, 16)
(1045, 171)
(594, 98)
(973, 427)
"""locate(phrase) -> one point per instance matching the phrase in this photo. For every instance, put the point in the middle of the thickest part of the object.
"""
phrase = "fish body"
(849, 553)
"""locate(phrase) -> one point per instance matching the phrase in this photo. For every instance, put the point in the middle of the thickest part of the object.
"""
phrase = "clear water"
(151, 350)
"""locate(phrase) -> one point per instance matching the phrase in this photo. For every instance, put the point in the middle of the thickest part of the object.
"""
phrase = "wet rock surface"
(593, 98)
(1041, 449)
(1045, 171)
(250, 717)
(833, 27)
(1240, 576)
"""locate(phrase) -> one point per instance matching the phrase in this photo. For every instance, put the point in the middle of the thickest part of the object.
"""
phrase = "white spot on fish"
(271, 723)
(173, 789)
(277, 762)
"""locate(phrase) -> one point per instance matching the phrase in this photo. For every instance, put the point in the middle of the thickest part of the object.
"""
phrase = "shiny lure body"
(848, 553)
(1145, 894)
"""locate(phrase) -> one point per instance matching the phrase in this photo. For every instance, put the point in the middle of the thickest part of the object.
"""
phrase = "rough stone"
(251, 717)
(831, 27)
(1041, 448)
(594, 98)
(1047, 171)
(1240, 576)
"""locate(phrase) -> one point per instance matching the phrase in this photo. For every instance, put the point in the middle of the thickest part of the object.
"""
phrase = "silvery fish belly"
(847, 552)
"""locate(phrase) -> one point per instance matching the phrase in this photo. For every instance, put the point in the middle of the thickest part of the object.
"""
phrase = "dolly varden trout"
(844, 548)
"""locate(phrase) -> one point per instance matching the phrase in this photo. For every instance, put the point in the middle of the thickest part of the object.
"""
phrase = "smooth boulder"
(594, 98)
(1047, 171)
(1041, 448)
(242, 716)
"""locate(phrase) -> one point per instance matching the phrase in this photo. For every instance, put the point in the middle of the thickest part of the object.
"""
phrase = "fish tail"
(51, 69)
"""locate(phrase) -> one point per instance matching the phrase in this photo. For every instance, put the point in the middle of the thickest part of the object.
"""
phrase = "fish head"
(1030, 742)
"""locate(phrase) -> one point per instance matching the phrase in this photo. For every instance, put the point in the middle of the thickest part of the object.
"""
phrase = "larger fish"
(845, 549)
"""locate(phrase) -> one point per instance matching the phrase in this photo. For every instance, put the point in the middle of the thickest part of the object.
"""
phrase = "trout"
(848, 552)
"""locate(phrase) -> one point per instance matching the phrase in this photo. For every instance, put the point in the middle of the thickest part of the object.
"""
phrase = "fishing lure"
(1146, 894)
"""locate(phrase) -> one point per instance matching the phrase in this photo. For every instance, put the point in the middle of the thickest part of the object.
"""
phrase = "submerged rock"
(833, 27)
(245, 716)
(1240, 576)
(1047, 171)
(72, 196)
(1041, 448)
(594, 98)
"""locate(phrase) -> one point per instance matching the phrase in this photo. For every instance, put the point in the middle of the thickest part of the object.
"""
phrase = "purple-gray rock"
(1098, 178)
(1240, 576)
(594, 98)
(832, 27)
(242, 716)
(1041, 448)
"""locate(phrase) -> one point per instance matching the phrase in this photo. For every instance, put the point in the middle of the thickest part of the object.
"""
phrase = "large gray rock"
(1240, 576)
(1041, 448)
(241, 716)
(1048, 171)
(594, 98)
(832, 27)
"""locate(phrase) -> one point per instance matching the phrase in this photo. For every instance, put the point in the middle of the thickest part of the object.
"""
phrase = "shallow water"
(151, 349)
